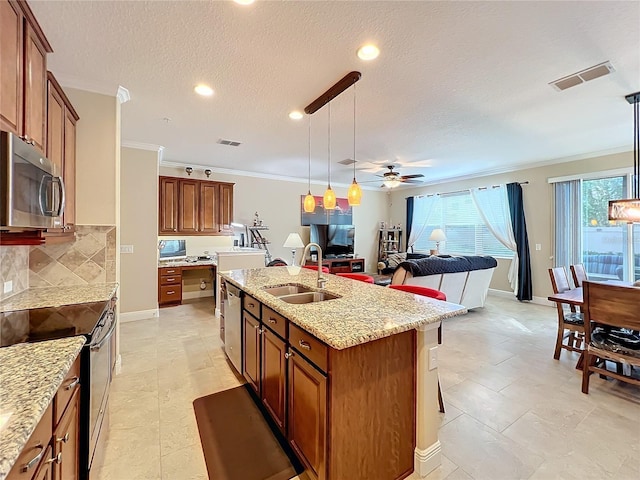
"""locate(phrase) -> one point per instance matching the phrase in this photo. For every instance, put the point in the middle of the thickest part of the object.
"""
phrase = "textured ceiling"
(459, 88)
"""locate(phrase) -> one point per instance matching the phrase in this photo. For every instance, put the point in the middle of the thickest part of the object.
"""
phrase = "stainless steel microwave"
(31, 191)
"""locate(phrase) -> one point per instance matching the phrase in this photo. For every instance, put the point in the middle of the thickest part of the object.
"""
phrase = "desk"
(170, 280)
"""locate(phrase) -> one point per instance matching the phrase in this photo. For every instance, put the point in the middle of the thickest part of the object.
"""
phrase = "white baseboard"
(218, 312)
(139, 315)
(504, 294)
(426, 461)
(119, 364)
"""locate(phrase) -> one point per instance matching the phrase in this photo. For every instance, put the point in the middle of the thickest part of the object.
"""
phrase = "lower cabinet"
(274, 375)
(66, 442)
(251, 343)
(307, 417)
(45, 472)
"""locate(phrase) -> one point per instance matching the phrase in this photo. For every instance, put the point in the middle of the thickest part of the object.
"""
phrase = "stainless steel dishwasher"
(233, 325)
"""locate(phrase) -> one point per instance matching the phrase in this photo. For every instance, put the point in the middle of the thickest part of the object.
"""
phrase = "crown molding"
(141, 146)
(122, 95)
(95, 86)
(267, 176)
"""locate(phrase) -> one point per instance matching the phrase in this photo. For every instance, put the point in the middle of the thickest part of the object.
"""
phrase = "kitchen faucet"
(321, 280)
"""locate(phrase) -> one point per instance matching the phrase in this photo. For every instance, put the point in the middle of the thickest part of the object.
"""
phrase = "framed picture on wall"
(341, 215)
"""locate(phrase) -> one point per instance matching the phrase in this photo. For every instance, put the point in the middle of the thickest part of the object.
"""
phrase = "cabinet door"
(69, 170)
(66, 442)
(35, 89)
(307, 414)
(251, 351)
(168, 205)
(208, 221)
(274, 373)
(55, 136)
(226, 207)
(189, 191)
(11, 39)
(45, 471)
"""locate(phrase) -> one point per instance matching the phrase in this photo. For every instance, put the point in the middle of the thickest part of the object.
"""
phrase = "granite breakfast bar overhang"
(365, 313)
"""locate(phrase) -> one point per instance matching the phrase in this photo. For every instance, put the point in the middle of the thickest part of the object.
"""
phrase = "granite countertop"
(364, 313)
(30, 375)
(44, 297)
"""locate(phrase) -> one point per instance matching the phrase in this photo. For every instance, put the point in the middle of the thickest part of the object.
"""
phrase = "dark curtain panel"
(516, 208)
(409, 222)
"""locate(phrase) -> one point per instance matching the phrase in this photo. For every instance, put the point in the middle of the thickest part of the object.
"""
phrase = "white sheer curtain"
(568, 214)
(423, 208)
(493, 205)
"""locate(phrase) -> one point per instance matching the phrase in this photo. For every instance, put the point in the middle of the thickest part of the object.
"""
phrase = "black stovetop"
(49, 323)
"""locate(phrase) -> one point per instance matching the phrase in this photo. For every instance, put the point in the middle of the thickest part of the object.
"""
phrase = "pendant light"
(329, 198)
(309, 201)
(354, 194)
(629, 210)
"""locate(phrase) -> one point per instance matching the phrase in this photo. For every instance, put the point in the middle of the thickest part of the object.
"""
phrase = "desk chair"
(571, 322)
(432, 293)
(612, 326)
(361, 277)
(578, 273)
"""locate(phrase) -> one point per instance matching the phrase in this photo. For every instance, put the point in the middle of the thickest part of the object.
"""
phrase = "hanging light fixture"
(309, 201)
(354, 194)
(329, 198)
(629, 210)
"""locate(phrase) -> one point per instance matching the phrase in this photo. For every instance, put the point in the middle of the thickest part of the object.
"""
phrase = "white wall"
(278, 204)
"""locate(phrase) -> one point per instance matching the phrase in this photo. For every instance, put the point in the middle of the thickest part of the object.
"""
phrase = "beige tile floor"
(513, 412)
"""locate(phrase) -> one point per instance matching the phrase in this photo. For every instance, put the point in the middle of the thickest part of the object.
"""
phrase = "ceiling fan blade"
(411, 181)
(415, 175)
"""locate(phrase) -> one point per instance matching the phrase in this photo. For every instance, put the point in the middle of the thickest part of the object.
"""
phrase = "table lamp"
(437, 235)
(293, 241)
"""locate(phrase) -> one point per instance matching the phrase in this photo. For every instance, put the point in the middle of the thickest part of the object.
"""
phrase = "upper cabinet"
(195, 207)
(23, 68)
(61, 148)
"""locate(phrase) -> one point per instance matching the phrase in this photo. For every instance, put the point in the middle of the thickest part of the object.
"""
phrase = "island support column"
(428, 452)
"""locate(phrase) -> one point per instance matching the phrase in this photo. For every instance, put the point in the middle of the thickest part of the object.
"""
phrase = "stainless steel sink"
(286, 290)
(308, 297)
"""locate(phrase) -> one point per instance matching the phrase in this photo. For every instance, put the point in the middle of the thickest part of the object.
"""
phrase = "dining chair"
(570, 321)
(612, 331)
(432, 293)
(361, 277)
(578, 273)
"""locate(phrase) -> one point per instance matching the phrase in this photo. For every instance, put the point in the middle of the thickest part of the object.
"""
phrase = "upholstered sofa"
(463, 279)
(609, 266)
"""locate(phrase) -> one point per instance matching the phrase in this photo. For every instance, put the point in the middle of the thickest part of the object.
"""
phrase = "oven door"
(100, 380)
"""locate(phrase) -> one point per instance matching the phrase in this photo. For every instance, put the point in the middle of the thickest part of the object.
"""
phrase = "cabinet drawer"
(36, 447)
(252, 306)
(341, 269)
(170, 271)
(170, 293)
(275, 321)
(69, 385)
(309, 346)
(170, 279)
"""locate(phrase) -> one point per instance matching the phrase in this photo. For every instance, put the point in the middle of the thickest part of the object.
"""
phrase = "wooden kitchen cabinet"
(61, 150)
(45, 471)
(195, 207)
(66, 442)
(251, 351)
(274, 376)
(169, 286)
(36, 450)
(23, 68)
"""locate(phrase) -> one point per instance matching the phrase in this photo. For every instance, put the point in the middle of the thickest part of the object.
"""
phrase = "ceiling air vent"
(347, 161)
(582, 76)
(231, 143)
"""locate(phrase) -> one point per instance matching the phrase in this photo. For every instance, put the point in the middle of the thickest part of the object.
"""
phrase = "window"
(466, 233)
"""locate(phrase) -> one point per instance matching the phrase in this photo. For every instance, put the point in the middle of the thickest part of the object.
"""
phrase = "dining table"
(575, 297)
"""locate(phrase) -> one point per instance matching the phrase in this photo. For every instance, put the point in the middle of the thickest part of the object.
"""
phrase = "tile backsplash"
(14, 267)
(91, 258)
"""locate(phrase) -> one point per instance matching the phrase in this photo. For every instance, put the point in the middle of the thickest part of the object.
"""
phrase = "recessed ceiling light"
(204, 90)
(244, 2)
(295, 115)
(368, 52)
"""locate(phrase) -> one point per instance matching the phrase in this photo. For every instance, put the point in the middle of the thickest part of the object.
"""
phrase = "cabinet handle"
(175, 229)
(304, 345)
(171, 280)
(171, 292)
(272, 320)
(57, 459)
(251, 305)
(76, 381)
(34, 461)
(288, 355)
(256, 327)
(64, 439)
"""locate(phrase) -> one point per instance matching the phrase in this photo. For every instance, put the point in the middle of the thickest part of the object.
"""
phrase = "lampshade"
(293, 241)
(392, 183)
(309, 203)
(437, 235)
(354, 195)
(329, 199)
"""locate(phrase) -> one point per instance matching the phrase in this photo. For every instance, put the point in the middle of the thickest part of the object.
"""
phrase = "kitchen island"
(346, 380)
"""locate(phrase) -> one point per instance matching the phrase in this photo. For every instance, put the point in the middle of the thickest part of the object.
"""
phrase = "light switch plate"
(538, 246)
(126, 248)
(433, 358)
(8, 286)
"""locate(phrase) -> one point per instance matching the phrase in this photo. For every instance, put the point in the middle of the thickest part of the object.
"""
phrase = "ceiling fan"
(392, 179)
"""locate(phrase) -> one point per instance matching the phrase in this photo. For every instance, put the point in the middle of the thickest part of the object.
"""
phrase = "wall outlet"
(433, 358)
(538, 246)
(8, 286)
(126, 248)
